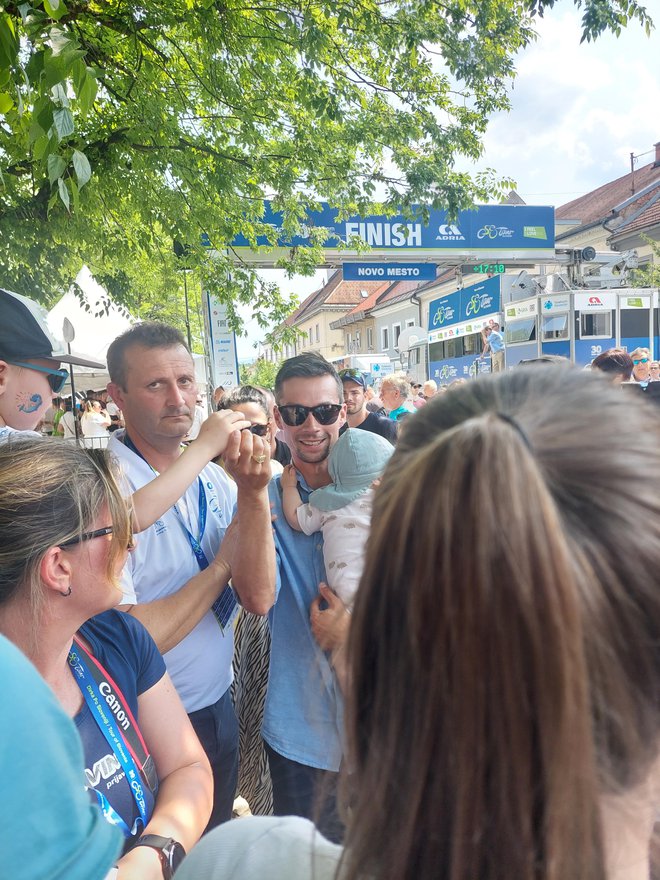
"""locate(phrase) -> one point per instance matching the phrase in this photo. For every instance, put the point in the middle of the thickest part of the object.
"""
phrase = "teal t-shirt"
(50, 830)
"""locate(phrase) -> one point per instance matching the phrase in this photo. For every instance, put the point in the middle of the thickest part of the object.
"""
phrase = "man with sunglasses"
(30, 358)
(303, 716)
(641, 374)
(357, 414)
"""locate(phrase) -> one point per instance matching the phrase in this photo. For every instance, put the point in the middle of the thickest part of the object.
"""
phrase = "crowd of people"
(427, 642)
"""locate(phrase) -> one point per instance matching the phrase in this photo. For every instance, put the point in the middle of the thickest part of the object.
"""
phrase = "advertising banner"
(492, 229)
(222, 343)
(464, 311)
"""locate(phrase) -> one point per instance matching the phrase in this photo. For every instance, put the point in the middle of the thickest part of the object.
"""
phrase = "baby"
(342, 510)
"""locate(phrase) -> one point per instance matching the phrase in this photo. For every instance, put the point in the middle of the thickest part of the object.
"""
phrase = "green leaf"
(82, 168)
(87, 94)
(64, 192)
(55, 8)
(75, 192)
(8, 42)
(63, 122)
(56, 167)
(6, 102)
(40, 147)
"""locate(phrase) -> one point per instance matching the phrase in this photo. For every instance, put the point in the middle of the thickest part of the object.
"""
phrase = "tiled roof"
(336, 294)
(597, 205)
(647, 217)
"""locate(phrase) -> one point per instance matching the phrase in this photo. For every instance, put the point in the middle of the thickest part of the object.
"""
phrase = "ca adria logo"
(449, 232)
(595, 301)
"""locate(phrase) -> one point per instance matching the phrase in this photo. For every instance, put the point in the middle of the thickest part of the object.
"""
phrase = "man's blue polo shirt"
(496, 341)
(304, 713)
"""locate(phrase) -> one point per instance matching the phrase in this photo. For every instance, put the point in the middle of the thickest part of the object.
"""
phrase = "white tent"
(95, 330)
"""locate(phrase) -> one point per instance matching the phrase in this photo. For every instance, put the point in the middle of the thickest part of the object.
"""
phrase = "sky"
(578, 111)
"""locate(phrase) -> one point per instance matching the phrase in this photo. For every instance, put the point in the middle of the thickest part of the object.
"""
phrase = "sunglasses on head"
(294, 414)
(640, 361)
(56, 378)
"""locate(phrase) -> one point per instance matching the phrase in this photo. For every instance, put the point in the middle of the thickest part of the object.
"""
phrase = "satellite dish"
(410, 337)
(67, 331)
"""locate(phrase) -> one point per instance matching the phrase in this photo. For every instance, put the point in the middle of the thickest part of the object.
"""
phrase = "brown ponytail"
(492, 699)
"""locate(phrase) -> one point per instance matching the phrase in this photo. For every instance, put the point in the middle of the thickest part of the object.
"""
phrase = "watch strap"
(165, 847)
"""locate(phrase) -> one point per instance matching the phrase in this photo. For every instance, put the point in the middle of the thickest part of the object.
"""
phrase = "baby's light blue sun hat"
(356, 460)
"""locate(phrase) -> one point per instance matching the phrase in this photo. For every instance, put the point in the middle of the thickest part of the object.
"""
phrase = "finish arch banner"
(500, 230)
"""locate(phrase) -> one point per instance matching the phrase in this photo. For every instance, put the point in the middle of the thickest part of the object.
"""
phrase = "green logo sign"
(635, 302)
(535, 232)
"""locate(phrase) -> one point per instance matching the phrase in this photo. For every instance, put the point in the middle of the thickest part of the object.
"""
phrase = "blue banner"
(489, 228)
(467, 367)
(389, 271)
(468, 304)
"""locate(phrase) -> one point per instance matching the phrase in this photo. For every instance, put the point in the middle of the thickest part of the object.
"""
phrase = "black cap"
(353, 375)
(24, 333)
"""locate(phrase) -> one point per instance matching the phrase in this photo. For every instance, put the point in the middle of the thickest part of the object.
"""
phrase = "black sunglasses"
(98, 533)
(56, 378)
(294, 414)
(259, 430)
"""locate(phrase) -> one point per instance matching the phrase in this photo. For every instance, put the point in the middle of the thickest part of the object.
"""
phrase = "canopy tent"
(96, 326)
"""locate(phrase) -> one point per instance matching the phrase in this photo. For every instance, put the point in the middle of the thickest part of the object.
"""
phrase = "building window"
(595, 325)
(396, 332)
(554, 327)
(318, 333)
(358, 340)
(370, 338)
(410, 322)
(384, 338)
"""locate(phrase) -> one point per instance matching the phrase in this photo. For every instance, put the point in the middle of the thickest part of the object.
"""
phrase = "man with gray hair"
(395, 394)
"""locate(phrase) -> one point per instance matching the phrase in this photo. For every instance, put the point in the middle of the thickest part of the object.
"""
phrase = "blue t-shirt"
(127, 652)
(496, 341)
(303, 716)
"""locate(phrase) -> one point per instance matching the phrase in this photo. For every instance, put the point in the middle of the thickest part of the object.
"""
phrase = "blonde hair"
(51, 493)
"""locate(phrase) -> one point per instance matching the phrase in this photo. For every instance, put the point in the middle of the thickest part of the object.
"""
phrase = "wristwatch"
(171, 852)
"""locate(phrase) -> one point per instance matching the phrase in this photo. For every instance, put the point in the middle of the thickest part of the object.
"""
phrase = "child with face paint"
(31, 374)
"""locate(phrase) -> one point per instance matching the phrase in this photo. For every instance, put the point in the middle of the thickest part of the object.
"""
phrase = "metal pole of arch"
(69, 334)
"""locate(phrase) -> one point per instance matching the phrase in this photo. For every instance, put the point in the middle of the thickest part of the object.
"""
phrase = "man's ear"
(278, 417)
(3, 376)
(116, 393)
(56, 571)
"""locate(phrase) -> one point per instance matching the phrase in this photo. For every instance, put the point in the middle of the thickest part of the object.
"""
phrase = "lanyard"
(225, 608)
(102, 708)
(196, 543)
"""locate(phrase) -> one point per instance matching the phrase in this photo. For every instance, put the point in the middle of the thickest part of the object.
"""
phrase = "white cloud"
(578, 111)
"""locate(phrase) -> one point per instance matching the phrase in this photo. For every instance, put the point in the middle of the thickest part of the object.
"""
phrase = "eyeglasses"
(89, 536)
(56, 378)
(640, 361)
(353, 374)
(295, 414)
(259, 430)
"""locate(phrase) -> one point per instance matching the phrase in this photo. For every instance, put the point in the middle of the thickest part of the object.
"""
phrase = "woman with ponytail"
(503, 716)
